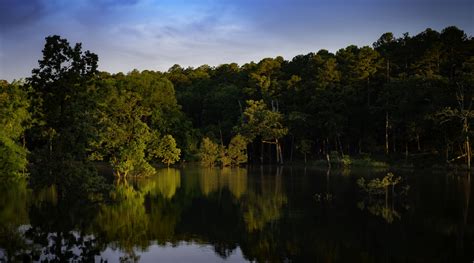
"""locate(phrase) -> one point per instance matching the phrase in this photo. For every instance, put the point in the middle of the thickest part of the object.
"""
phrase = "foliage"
(237, 150)
(224, 158)
(209, 152)
(262, 122)
(405, 97)
(346, 160)
(123, 136)
(133, 111)
(165, 183)
(167, 150)
(378, 100)
(73, 180)
(374, 202)
(235, 154)
(265, 206)
(62, 102)
(368, 162)
(304, 147)
(377, 186)
(14, 118)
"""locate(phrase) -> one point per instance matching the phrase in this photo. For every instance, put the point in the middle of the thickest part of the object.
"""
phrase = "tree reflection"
(37, 226)
(165, 183)
(265, 203)
(124, 223)
(72, 180)
(269, 216)
(213, 180)
(464, 190)
(13, 214)
(209, 180)
(235, 179)
(139, 214)
(376, 197)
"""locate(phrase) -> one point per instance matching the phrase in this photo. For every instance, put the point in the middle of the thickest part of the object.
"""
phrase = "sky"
(156, 34)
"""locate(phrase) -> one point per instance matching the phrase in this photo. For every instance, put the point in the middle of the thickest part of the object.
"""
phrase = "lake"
(255, 214)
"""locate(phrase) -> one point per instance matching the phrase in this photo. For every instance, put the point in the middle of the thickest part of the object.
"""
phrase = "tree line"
(404, 98)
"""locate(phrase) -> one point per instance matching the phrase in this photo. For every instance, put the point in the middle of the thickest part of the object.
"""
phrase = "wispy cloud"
(155, 34)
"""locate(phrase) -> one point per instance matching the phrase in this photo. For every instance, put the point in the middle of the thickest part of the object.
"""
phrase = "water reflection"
(258, 214)
(214, 180)
(464, 186)
(13, 214)
(164, 183)
(263, 205)
(124, 223)
(383, 196)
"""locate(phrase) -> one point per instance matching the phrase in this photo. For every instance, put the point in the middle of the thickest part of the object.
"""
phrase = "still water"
(258, 214)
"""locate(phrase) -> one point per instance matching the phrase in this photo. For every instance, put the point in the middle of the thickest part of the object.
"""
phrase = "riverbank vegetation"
(406, 98)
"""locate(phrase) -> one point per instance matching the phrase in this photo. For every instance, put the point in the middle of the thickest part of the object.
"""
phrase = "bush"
(209, 152)
(167, 150)
(224, 158)
(346, 160)
(237, 150)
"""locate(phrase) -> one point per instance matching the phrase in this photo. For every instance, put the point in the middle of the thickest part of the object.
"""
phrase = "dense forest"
(405, 99)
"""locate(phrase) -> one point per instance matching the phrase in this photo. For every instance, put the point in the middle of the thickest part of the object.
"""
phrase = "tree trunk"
(394, 148)
(276, 152)
(418, 142)
(386, 133)
(368, 92)
(241, 112)
(388, 70)
(329, 160)
(292, 147)
(447, 152)
(406, 151)
(328, 146)
(340, 145)
(281, 153)
(324, 152)
(468, 152)
(468, 144)
(270, 154)
(360, 146)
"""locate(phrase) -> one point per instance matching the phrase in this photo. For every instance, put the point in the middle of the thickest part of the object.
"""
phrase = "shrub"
(237, 150)
(209, 152)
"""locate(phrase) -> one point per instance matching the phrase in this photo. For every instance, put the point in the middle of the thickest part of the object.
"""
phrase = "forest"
(406, 99)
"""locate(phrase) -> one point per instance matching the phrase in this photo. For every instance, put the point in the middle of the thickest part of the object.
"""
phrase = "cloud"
(155, 34)
(14, 13)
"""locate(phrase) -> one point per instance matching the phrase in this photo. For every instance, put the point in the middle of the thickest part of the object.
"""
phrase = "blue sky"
(155, 34)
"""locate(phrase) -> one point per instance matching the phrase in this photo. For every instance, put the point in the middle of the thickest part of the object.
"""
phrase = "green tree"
(14, 118)
(237, 150)
(304, 147)
(264, 79)
(135, 109)
(167, 150)
(209, 152)
(224, 158)
(61, 99)
(266, 124)
(123, 135)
